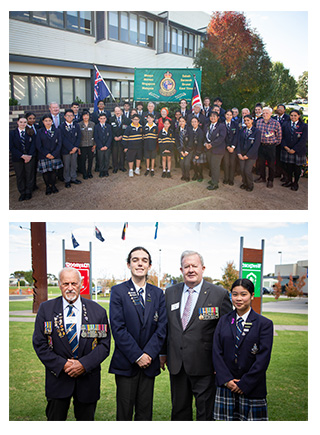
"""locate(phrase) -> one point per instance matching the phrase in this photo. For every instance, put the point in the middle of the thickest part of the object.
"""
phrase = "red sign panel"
(80, 260)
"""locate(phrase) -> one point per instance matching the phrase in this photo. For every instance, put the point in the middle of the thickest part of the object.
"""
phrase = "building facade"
(296, 270)
(52, 54)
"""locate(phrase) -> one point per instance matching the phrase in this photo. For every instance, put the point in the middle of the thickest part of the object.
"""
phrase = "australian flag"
(101, 90)
(196, 97)
(99, 235)
(74, 242)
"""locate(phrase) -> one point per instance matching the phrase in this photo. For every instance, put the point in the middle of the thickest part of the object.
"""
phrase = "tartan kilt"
(231, 406)
(47, 165)
(292, 158)
(202, 159)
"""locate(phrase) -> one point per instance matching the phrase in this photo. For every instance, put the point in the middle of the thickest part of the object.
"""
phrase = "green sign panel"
(165, 85)
(252, 271)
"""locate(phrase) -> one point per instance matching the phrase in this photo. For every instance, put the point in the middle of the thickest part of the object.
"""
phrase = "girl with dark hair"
(48, 143)
(241, 353)
(293, 149)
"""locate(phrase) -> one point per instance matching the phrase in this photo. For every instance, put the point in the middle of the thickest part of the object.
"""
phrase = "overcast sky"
(217, 242)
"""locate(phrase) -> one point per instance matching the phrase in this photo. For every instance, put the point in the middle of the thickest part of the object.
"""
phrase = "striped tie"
(141, 297)
(187, 309)
(72, 332)
(239, 330)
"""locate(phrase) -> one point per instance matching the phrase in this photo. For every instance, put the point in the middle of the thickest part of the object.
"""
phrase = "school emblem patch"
(167, 85)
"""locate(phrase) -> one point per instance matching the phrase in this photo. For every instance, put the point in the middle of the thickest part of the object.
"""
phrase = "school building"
(296, 270)
(51, 54)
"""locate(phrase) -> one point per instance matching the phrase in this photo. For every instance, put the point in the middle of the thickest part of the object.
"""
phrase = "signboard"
(165, 85)
(80, 260)
(252, 271)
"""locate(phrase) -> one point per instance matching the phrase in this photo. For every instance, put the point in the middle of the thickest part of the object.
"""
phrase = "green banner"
(165, 85)
(252, 271)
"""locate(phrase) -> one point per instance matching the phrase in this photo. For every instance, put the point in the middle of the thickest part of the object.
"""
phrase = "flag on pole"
(99, 235)
(125, 226)
(156, 231)
(74, 242)
(196, 97)
(197, 226)
(101, 90)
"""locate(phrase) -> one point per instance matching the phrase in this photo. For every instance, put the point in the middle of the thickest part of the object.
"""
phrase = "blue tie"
(239, 330)
(72, 332)
(141, 297)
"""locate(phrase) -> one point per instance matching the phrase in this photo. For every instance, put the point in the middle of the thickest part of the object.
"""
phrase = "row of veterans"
(192, 140)
(215, 354)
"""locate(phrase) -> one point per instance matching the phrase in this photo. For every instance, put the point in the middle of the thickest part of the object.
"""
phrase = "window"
(100, 25)
(72, 20)
(134, 29)
(56, 19)
(124, 27)
(113, 25)
(179, 41)
(191, 43)
(174, 40)
(40, 17)
(21, 89)
(150, 34)
(53, 89)
(80, 89)
(38, 95)
(143, 31)
(67, 91)
(20, 15)
(85, 22)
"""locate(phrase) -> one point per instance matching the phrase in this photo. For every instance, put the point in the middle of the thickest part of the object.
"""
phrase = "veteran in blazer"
(193, 310)
(71, 338)
(138, 323)
(241, 354)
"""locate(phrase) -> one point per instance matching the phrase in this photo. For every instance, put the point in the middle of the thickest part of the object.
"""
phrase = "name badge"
(175, 306)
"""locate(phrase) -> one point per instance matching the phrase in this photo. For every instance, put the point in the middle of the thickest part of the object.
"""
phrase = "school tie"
(187, 309)
(239, 329)
(72, 332)
(23, 141)
(140, 292)
(119, 121)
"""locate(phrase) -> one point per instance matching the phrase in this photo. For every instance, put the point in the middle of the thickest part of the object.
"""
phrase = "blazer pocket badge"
(208, 313)
(254, 349)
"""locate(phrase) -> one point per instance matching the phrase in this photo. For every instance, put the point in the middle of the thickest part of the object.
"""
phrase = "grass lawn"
(286, 378)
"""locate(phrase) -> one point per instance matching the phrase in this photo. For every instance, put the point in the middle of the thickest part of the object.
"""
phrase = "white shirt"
(137, 288)
(74, 319)
(244, 316)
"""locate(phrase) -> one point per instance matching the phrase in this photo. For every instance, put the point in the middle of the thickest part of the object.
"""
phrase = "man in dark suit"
(103, 140)
(118, 124)
(101, 109)
(71, 338)
(193, 310)
(138, 321)
(201, 118)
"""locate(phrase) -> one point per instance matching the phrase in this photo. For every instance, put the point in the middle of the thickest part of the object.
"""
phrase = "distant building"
(296, 270)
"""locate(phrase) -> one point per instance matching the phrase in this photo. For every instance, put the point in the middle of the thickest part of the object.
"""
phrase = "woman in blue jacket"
(242, 346)
(247, 150)
(293, 149)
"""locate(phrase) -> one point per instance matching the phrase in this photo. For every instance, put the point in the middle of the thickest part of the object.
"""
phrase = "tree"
(234, 61)
(230, 274)
(302, 90)
(284, 86)
(294, 290)
(277, 288)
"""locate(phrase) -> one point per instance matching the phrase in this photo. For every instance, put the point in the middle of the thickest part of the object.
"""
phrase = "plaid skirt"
(202, 158)
(47, 165)
(292, 158)
(231, 406)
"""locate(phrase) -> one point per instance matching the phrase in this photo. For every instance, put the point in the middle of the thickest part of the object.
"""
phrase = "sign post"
(80, 260)
(251, 267)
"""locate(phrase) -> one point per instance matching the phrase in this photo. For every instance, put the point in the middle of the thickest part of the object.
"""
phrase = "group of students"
(193, 138)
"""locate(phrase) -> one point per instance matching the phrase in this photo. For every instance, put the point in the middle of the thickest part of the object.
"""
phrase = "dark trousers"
(86, 155)
(267, 153)
(25, 175)
(246, 172)
(57, 409)
(291, 169)
(117, 155)
(214, 165)
(134, 394)
(229, 165)
(185, 164)
(183, 388)
(104, 158)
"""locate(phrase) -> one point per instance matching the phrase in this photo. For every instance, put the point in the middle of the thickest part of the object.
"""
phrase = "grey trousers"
(70, 167)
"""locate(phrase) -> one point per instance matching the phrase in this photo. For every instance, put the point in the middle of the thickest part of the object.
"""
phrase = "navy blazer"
(53, 350)
(48, 145)
(298, 141)
(216, 138)
(96, 113)
(254, 353)
(136, 332)
(118, 130)
(249, 145)
(103, 136)
(15, 145)
(70, 138)
(232, 134)
(203, 121)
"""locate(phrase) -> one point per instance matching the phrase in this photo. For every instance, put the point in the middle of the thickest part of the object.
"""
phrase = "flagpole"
(159, 279)
(104, 82)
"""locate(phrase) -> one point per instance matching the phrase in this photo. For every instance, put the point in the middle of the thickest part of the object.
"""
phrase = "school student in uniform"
(132, 144)
(184, 148)
(103, 140)
(242, 347)
(196, 140)
(166, 142)
(22, 148)
(150, 138)
(215, 145)
(229, 159)
(48, 142)
(247, 151)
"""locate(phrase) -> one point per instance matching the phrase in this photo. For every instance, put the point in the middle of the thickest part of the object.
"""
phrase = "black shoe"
(249, 189)
(260, 180)
(169, 174)
(225, 182)
(22, 197)
(147, 172)
(54, 189)
(270, 184)
(76, 181)
(90, 176)
(68, 184)
(287, 184)
(49, 190)
(231, 183)
(295, 186)
(213, 187)
(243, 186)
(152, 174)
(164, 174)
(85, 177)
(115, 171)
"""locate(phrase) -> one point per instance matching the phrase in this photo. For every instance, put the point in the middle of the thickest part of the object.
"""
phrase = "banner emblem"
(167, 85)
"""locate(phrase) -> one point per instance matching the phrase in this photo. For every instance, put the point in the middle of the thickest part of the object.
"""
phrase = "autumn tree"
(230, 274)
(277, 287)
(295, 289)
(235, 64)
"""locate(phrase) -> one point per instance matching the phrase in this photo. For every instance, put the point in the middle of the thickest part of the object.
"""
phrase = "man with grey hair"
(71, 338)
(193, 311)
(271, 136)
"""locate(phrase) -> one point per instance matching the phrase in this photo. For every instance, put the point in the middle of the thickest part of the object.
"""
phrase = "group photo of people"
(259, 143)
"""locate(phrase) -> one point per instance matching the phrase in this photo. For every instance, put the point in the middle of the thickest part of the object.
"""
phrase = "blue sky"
(218, 242)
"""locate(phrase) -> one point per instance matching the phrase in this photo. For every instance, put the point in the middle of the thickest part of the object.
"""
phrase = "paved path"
(295, 306)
